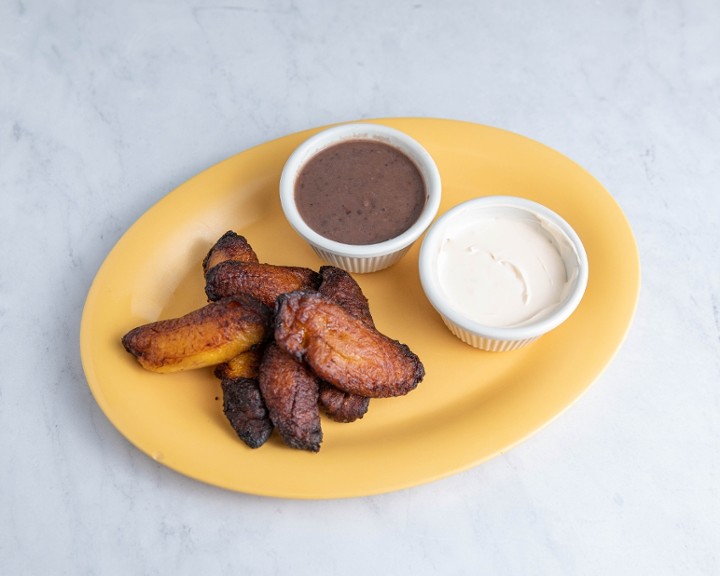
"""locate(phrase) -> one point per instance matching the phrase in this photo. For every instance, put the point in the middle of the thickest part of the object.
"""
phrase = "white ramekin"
(369, 257)
(493, 338)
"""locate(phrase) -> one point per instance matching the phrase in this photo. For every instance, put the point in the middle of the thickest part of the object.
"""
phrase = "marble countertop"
(106, 107)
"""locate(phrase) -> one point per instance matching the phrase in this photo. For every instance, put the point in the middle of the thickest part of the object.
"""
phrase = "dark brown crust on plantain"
(341, 349)
(340, 287)
(262, 281)
(245, 410)
(290, 392)
(208, 336)
(341, 406)
(230, 246)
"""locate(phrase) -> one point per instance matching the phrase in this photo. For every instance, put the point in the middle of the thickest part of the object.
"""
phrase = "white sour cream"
(505, 271)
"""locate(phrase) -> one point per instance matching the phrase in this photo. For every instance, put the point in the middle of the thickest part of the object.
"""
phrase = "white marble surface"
(107, 106)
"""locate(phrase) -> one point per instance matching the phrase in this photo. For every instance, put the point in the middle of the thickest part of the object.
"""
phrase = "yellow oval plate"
(471, 406)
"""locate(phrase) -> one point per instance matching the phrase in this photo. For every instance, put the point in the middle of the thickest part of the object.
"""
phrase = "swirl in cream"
(505, 271)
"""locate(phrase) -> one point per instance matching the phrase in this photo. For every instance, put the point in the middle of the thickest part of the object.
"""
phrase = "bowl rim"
(429, 279)
(361, 131)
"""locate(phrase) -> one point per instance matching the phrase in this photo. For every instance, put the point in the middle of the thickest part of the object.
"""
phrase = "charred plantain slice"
(243, 404)
(341, 406)
(262, 281)
(230, 246)
(290, 392)
(341, 349)
(245, 410)
(208, 336)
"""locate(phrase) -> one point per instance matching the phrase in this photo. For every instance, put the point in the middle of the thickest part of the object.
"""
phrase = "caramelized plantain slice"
(342, 349)
(244, 365)
(245, 410)
(290, 392)
(230, 246)
(341, 406)
(262, 281)
(208, 336)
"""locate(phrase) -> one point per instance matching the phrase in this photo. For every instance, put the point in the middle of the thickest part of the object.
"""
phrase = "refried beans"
(360, 192)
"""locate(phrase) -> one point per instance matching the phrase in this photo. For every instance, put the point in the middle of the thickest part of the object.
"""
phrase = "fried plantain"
(243, 404)
(208, 336)
(263, 281)
(244, 365)
(290, 392)
(230, 246)
(342, 349)
(245, 410)
(341, 406)
(340, 287)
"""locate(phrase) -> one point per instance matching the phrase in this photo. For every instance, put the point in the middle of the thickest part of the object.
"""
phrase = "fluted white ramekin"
(368, 257)
(501, 338)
